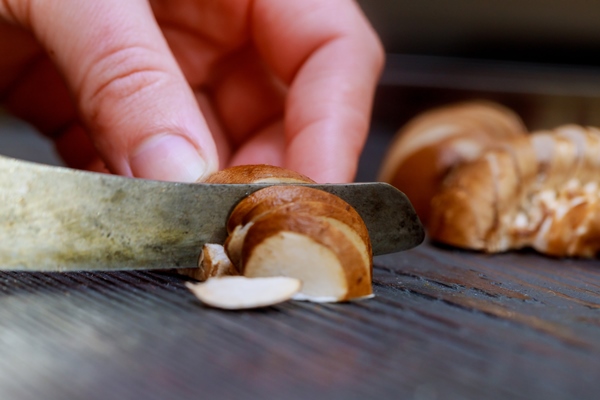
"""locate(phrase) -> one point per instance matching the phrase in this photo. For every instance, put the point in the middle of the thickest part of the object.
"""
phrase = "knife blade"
(60, 219)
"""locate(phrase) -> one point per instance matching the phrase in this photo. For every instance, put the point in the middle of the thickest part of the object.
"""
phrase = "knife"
(60, 219)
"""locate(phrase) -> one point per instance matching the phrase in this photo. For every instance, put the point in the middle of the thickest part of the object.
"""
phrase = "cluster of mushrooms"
(479, 180)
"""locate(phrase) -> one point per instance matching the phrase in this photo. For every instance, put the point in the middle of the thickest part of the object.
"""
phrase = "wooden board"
(444, 324)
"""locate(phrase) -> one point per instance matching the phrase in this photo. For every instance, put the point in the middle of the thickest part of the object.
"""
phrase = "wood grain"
(444, 324)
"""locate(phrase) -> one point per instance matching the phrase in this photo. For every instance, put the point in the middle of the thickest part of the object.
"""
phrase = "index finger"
(132, 97)
(331, 58)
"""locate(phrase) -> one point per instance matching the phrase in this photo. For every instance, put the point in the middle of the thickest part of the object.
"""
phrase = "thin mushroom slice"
(235, 242)
(239, 292)
(213, 262)
(328, 262)
(345, 219)
(272, 197)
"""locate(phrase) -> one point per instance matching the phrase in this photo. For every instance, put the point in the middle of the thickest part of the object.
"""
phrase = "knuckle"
(118, 79)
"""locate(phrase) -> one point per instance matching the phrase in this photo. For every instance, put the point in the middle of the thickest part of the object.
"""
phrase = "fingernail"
(167, 158)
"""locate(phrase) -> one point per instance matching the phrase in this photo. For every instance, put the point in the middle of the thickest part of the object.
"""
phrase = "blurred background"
(557, 31)
(535, 56)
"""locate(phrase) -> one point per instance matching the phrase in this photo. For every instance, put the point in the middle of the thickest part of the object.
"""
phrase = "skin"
(175, 89)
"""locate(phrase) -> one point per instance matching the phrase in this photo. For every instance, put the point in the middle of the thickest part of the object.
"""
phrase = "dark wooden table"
(444, 324)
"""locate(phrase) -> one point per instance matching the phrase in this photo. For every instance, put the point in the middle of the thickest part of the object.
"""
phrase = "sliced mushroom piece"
(261, 173)
(309, 248)
(559, 232)
(213, 262)
(297, 199)
(586, 242)
(238, 292)
(235, 241)
(346, 220)
(271, 197)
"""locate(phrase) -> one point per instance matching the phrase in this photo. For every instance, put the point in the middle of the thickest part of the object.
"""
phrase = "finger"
(266, 147)
(247, 96)
(200, 32)
(332, 65)
(131, 95)
(97, 165)
(215, 126)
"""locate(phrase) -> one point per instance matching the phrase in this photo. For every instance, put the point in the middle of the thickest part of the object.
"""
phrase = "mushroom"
(238, 292)
(489, 186)
(431, 144)
(213, 262)
(260, 173)
(554, 207)
(317, 238)
(297, 199)
(297, 232)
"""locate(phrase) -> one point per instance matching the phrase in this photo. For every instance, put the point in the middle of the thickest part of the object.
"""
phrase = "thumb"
(131, 95)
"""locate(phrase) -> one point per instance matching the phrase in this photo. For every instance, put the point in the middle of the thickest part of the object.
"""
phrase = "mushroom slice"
(235, 241)
(346, 219)
(213, 262)
(266, 199)
(289, 200)
(238, 292)
(309, 248)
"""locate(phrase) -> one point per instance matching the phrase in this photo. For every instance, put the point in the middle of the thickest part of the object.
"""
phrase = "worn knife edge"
(410, 235)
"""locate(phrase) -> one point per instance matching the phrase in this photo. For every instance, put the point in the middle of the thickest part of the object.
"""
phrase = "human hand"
(166, 89)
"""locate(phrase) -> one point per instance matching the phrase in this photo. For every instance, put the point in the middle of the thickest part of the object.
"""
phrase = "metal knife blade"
(60, 219)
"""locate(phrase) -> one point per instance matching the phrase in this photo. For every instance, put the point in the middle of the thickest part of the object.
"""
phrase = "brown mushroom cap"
(261, 173)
